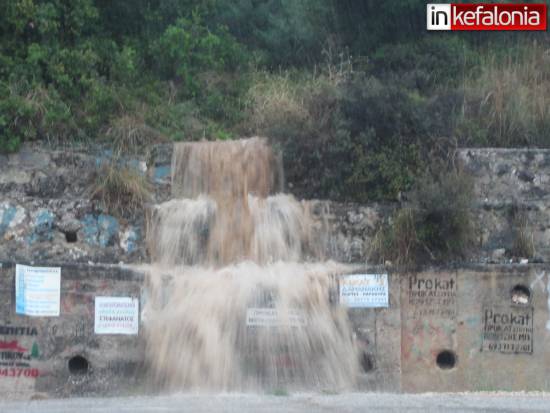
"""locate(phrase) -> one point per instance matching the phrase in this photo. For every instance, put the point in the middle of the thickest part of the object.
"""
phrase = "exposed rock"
(46, 210)
(526, 176)
(498, 255)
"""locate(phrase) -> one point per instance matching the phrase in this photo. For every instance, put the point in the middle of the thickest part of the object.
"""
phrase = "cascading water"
(240, 297)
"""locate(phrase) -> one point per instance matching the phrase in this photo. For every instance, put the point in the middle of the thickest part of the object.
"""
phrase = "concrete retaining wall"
(470, 328)
(61, 356)
(473, 328)
(494, 319)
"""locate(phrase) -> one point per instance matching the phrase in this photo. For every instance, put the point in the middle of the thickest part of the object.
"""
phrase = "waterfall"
(240, 293)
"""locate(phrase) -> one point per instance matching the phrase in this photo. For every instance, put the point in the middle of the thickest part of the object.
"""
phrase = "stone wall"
(510, 184)
(47, 213)
(486, 333)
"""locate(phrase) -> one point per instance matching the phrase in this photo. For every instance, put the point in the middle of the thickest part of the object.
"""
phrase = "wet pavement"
(256, 403)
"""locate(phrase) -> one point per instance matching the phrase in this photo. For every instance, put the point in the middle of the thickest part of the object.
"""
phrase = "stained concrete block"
(428, 327)
(378, 332)
(61, 356)
(461, 329)
(499, 342)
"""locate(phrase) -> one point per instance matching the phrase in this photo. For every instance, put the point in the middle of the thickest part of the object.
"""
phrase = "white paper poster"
(37, 290)
(364, 290)
(116, 315)
(269, 317)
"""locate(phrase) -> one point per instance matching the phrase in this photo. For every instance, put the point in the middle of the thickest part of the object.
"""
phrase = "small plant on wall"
(120, 188)
(523, 243)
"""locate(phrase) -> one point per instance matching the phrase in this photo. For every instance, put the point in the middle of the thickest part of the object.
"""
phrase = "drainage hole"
(78, 365)
(446, 359)
(521, 295)
(367, 362)
(70, 236)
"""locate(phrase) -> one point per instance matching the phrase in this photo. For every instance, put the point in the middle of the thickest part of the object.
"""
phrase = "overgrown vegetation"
(523, 243)
(120, 188)
(356, 94)
(434, 226)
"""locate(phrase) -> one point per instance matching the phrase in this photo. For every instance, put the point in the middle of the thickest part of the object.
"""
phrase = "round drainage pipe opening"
(521, 295)
(78, 365)
(446, 359)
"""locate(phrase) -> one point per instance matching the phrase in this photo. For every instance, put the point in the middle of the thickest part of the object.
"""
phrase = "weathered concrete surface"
(500, 337)
(244, 403)
(494, 319)
(378, 332)
(44, 203)
(35, 351)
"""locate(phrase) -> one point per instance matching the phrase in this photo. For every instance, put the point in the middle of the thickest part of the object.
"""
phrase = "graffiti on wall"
(432, 296)
(16, 357)
(508, 329)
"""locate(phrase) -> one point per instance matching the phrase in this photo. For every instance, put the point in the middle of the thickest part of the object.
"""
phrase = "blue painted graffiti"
(162, 172)
(90, 229)
(99, 230)
(6, 218)
(132, 240)
(108, 228)
(42, 229)
(104, 158)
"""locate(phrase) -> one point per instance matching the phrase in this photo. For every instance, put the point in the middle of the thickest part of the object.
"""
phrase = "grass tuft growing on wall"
(121, 189)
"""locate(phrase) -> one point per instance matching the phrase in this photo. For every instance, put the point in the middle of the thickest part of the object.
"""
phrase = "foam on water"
(240, 294)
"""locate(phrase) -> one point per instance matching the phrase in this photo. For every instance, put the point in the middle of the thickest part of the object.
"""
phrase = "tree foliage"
(355, 93)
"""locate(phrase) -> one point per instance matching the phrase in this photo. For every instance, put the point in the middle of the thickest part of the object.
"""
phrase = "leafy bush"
(300, 114)
(443, 199)
(435, 226)
(188, 47)
(345, 136)
(29, 114)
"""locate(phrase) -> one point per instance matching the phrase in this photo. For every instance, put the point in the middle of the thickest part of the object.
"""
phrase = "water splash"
(240, 295)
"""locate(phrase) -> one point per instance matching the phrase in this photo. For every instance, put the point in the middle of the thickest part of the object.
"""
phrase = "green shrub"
(435, 225)
(188, 48)
(427, 64)
(130, 134)
(345, 135)
(443, 199)
(14, 121)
